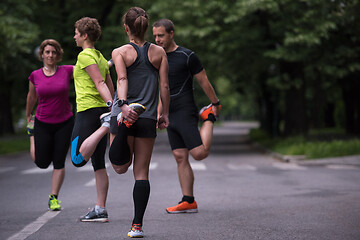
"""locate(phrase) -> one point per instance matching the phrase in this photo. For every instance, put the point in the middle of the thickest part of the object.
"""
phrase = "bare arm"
(30, 101)
(122, 84)
(164, 100)
(101, 86)
(208, 89)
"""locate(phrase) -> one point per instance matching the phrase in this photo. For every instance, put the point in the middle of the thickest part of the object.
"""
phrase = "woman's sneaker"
(105, 119)
(30, 126)
(136, 231)
(95, 216)
(137, 107)
(54, 203)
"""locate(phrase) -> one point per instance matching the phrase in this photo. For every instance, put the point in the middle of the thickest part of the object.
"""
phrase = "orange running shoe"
(205, 111)
(137, 107)
(136, 231)
(183, 207)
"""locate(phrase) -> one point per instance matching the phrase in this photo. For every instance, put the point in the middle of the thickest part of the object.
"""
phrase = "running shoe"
(205, 111)
(30, 126)
(95, 216)
(183, 207)
(136, 231)
(105, 119)
(137, 107)
(54, 203)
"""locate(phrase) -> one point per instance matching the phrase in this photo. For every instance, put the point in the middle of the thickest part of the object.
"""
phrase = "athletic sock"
(141, 195)
(211, 117)
(189, 199)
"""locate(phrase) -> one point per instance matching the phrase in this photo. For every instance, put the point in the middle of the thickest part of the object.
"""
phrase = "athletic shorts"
(52, 142)
(183, 131)
(86, 123)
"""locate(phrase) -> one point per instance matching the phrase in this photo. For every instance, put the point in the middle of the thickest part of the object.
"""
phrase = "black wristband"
(122, 102)
(216, 104)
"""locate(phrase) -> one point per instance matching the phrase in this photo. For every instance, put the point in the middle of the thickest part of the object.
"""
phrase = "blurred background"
(293, 66)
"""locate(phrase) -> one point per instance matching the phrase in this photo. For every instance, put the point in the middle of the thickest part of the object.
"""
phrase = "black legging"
(86, 123)
(52, 143)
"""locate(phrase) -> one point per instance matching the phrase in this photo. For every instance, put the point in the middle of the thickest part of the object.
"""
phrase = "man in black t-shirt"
(183, 132)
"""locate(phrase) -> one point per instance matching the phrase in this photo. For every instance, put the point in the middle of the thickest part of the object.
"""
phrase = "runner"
(50, 130)
(139, 65)
(94, 92)
(183, 132)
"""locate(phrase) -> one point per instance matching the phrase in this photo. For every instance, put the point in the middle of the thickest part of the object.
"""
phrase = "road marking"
(198, 166)
(153, 165)
(36, 170)
(34, 226)
(6, 169)
(241, 167)
(334, 166)
(288, 166)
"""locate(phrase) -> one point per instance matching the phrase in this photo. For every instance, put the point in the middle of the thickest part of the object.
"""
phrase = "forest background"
(291, 65)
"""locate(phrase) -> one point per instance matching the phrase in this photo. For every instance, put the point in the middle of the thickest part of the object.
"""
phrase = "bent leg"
(206, 133)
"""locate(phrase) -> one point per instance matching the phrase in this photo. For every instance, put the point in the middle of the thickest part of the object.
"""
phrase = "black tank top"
(143, 79)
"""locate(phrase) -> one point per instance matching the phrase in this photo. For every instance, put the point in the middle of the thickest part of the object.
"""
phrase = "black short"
(52, 143)
(86, 123)
(183, 131)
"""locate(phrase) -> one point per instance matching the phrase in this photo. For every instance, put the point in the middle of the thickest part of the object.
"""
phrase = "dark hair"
(137, 20)
(55, 44)
(90, 26)
(166, 23)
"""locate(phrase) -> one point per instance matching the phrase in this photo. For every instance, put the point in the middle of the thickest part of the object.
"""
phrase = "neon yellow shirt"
(87, 96)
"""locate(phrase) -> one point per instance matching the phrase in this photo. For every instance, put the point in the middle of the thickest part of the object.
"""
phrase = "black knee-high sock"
(141, 195)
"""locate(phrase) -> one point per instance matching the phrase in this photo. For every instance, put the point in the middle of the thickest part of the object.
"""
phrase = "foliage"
(317, 145)
(293, 65)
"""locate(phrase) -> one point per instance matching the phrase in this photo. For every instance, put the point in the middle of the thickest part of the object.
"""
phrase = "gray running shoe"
(95, 216)
(105, 119)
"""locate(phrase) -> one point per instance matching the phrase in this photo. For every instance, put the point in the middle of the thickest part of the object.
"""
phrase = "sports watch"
(122, 102)
(109, 103)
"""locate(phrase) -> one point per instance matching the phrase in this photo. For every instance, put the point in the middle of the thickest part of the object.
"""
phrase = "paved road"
(242, 194)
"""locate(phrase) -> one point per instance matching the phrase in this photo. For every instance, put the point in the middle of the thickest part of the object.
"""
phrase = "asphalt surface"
(242, 193)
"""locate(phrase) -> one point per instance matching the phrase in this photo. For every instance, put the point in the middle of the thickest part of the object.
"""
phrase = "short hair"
(166, 23)
(90, 26)
(137, 20)
(55, 44)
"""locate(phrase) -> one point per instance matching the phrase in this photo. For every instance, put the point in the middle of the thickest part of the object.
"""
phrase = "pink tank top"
(53, 94)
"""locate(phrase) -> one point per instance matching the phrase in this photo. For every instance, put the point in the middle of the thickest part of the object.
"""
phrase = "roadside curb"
(301, 159)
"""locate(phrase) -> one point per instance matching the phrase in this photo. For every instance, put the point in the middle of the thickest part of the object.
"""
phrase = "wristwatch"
(217, 103)
(122, 102)
(109, 103)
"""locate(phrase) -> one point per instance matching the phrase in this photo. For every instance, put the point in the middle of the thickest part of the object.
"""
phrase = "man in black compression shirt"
(183, 132)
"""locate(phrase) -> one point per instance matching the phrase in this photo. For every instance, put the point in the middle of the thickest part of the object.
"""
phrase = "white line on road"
(334, 166)
(241, 167)
(288, 166)
(198, 166)
(6, 169)
(36, 170)
(34, 226)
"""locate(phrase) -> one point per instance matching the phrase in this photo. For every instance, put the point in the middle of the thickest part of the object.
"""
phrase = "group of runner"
(154, 90)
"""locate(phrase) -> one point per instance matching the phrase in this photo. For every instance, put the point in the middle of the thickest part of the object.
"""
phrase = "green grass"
(319, 144)
(14, 144)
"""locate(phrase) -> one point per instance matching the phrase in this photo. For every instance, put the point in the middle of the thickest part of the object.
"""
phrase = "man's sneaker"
(183, 207)
(95, 216)
(30, 126)
(136, 231)
(137, 107)
(205, 111)
(54, 203)
(105, 119)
